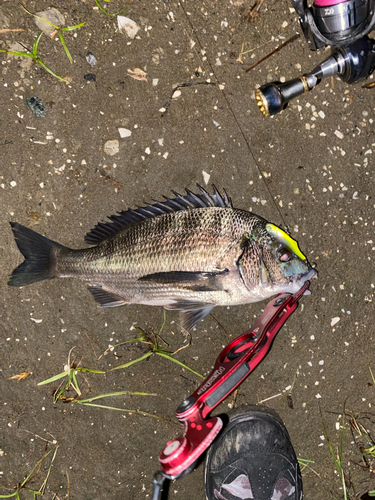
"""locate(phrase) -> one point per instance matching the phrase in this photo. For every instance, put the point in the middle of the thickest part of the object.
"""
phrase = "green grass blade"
(139, 339)
(126, 365)
(89, 370)
(304, 462)
(65, 385)
(171, 358)
(38, 17)
(337, 461)
(329, 444)
(103, 10)
(20, 54)
(341, 455)
(35, 466)
(111, 394)
(9, 496)
(369, 451)
(35, 45)
(50, 71)
(55, 377)
(139, 412)
(75, 383)
(70, 28)
(62, 390)
(96, 405)
(43, 485)
(65, 47)
(143, 337)
(162, 326)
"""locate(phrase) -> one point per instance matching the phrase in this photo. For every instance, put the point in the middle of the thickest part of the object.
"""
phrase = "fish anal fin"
(194, 281)
(106, 299)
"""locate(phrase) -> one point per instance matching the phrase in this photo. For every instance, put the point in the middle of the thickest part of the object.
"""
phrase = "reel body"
(341, 24)
(335, 22)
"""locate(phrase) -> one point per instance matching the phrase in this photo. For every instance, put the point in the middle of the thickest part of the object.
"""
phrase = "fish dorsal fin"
(104, 230)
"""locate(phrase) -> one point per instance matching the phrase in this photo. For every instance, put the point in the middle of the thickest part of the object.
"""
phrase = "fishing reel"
(341, 24)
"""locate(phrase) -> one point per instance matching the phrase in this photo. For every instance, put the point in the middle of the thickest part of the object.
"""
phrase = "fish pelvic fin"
(191, 318)
(106, 299)
(39, 253)
(191, 312)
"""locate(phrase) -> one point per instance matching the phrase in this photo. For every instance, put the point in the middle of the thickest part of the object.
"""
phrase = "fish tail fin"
(39, 253)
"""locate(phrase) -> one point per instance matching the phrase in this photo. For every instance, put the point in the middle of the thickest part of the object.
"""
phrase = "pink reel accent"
(327, 3)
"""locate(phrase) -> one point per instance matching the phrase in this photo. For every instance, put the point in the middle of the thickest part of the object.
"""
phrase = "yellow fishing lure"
(285, 239)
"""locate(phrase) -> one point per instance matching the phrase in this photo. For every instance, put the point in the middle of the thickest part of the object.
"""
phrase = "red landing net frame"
(236, 361)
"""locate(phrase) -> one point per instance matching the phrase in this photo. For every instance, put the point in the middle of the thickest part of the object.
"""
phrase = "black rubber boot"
(253, 458)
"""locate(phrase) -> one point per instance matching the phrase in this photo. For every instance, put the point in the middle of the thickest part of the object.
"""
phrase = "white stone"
(124, 132)
(111, 147)
(126, 25)
(335, 320)
(206, 177)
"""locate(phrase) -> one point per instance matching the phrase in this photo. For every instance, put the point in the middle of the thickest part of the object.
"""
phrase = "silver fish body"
(190, 253)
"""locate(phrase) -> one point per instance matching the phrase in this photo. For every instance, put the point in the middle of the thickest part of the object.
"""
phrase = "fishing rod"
(233, 365)
(340, 24)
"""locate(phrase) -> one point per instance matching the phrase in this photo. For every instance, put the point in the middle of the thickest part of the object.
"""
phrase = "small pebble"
(339, 134)
(90, 77)
(36, 106)
(128, 26)
(46, 18)
(91, 59)
(111, 147)
(206, 177)
(124, 132)
(335, 320)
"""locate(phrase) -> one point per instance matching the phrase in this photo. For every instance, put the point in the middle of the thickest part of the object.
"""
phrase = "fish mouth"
(297, 281)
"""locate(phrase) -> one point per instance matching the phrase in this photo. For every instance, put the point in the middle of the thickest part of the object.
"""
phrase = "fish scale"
(196, 241)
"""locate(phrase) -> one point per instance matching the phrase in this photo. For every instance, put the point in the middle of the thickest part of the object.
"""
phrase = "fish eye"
(284, 255)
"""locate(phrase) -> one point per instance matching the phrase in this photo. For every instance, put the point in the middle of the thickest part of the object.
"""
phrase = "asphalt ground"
(309, 169)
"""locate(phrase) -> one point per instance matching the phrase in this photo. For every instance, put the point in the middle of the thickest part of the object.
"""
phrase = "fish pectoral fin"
(194, 281)
(106, 299)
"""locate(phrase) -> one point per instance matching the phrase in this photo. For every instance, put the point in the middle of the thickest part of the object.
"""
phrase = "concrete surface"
(310, 168)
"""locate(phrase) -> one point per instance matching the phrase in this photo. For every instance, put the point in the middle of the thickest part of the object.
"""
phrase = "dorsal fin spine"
(190, 201)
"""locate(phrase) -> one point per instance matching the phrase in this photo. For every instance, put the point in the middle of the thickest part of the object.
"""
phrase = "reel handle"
(352, 63)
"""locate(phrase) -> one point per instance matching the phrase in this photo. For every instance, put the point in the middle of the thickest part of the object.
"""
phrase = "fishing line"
(233, 114)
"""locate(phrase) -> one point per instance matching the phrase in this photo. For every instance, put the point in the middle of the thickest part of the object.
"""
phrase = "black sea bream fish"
(190, 253)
